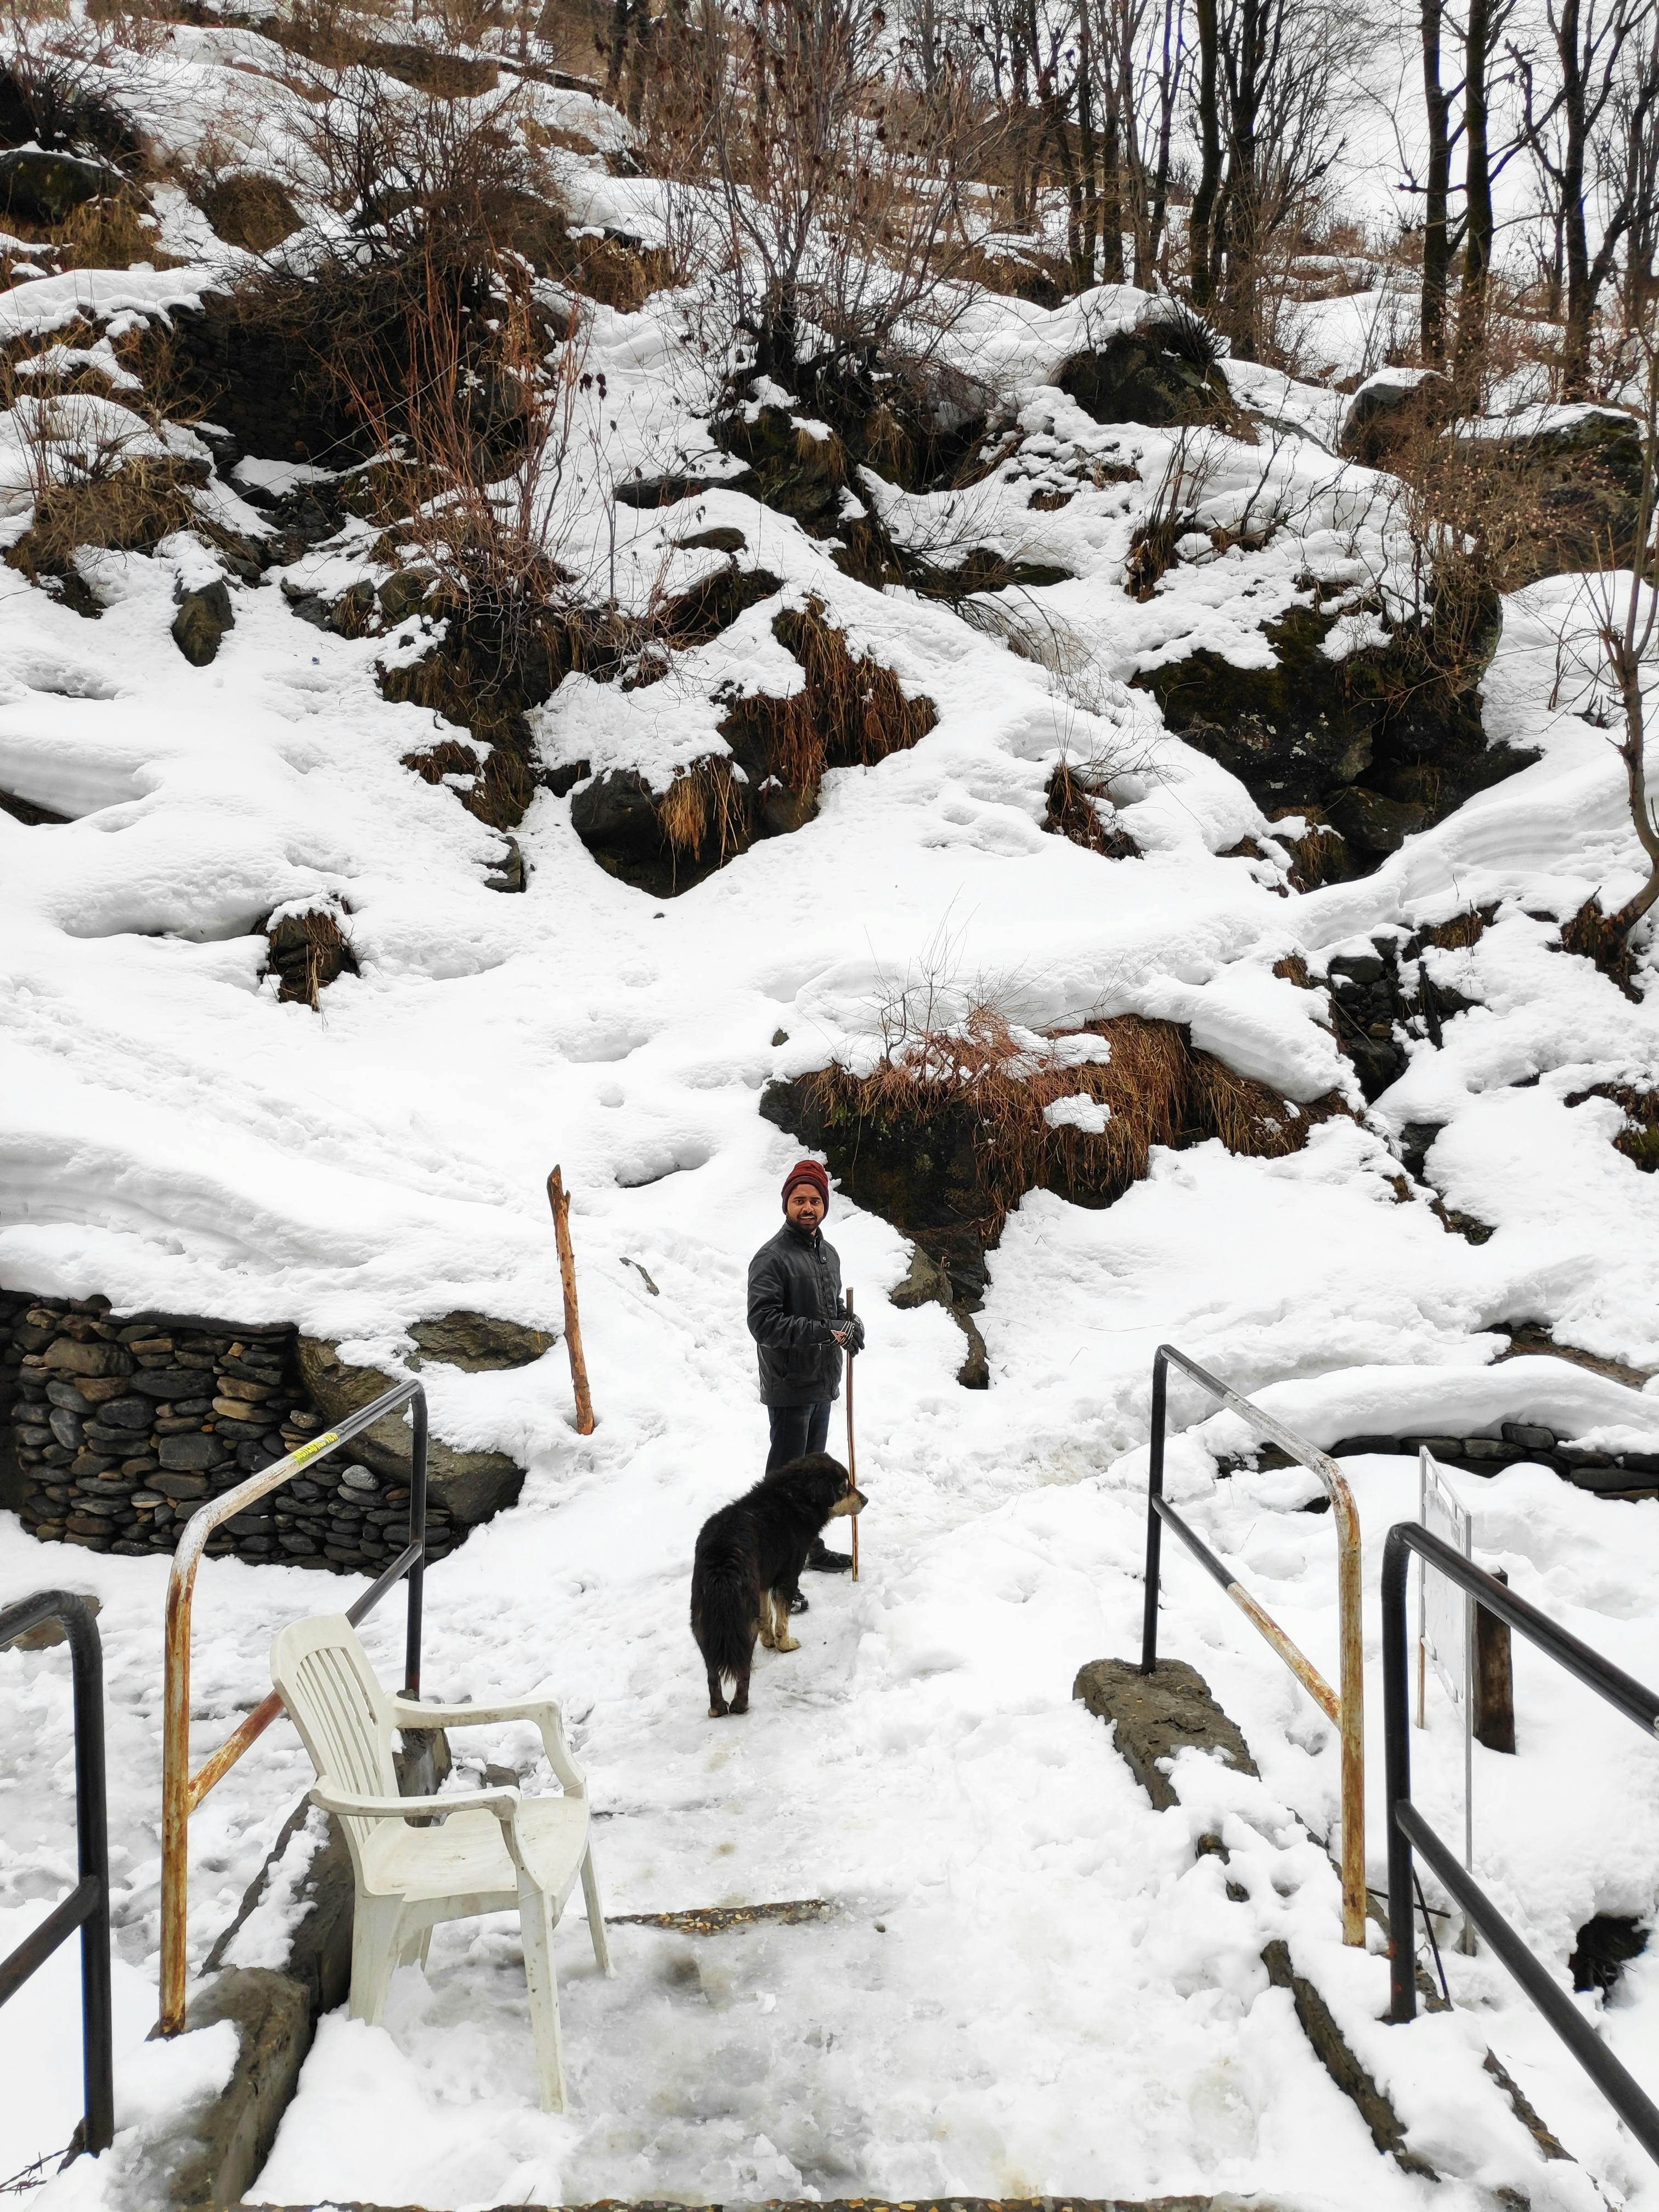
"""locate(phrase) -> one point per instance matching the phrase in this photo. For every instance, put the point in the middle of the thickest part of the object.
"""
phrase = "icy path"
(1057, 1999)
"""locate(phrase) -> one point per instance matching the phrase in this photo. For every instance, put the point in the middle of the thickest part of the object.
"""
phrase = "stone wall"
(1490, 1450)
(121, 1426)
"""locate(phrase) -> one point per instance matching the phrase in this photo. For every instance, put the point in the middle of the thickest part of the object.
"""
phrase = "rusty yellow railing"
(1345, 1707)
(183, 1791)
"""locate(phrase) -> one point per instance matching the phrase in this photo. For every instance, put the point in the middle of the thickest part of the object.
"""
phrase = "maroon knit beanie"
(807, 1172)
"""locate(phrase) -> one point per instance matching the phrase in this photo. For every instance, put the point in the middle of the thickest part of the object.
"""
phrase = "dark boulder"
(1376, 744)
(1371, 824)
(470, 1486)
(204, 616)
(1290, 733)
(615, 816)
(449, 76)
(479, 1342)
(1165, 372)
(1390, 408)
(47, 188)
(1583, 466)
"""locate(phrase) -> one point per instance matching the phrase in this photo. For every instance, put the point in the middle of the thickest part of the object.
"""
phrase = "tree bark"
(1201, 250)
(1478, 223)
(1437, 187)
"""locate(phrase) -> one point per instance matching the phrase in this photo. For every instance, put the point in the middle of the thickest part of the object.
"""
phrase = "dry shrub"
(129, 511)
(500, 791)
(1320, 855)
(1462, 931)
(1075, 799)
(972, 1095)
(704, 812)
(112, 233)
(308, 951)
(849, 713)
(1638, 1141)
(1604, 941)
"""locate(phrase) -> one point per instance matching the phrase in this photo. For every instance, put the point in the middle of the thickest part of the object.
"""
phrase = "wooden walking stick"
(851, 1462)
(559, 1198)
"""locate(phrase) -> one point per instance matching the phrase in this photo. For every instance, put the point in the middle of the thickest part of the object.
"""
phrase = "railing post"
(1154, 1522)
(1351, 1690)
(86, 1909)
(416, 1535)
(1397, 1778)
(92, 1841)
(175, 1801)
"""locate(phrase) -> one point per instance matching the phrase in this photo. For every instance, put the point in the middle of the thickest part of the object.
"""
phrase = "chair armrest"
(503, 1804)
(545, 1711)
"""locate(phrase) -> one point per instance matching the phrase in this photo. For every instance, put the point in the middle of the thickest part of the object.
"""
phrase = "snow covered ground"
(1025, 1983)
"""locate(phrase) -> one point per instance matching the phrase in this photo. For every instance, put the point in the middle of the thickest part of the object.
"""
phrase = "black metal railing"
(1408, 1831)
(87, 1905)
(1345, 1705)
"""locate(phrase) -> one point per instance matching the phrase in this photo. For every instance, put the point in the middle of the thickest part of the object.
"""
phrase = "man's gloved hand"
(850, 1334)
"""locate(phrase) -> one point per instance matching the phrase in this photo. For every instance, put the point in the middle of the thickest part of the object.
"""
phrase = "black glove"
(849, 1331)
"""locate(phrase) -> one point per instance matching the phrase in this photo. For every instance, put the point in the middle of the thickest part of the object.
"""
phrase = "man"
(800, 1329)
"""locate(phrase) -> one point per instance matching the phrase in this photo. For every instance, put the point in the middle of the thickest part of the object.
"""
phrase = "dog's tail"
(724, 1618)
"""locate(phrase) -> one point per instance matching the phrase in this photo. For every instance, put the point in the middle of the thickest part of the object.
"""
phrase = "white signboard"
(1445, 1622)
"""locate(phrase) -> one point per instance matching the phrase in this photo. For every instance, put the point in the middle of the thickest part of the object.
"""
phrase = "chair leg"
(415, 1948)
(374, 1947)
(595, 1915)
(536, 1923)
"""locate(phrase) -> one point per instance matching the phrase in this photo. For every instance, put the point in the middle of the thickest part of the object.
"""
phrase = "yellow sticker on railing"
(317, 1444)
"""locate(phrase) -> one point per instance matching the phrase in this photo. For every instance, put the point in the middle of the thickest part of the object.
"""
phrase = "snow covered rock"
(1388, 408)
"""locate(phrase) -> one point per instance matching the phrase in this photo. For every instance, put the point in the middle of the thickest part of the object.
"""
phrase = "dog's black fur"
(746, 1571)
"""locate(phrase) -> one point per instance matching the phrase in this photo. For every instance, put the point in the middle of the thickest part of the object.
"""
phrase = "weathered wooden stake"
(559, 1198)
(1494, 1679)
(852, 1460)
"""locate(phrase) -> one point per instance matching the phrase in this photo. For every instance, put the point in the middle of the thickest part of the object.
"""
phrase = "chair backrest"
(343, 1715)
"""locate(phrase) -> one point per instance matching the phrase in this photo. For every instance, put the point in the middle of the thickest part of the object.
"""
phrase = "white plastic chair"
(494, 1849)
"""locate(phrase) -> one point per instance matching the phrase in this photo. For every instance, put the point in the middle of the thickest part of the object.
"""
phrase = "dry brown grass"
(704, 811)
(129, 511)
(1074, 800)
(308, 951)
(849, 713)
(1462, 930)
(1320, 855)
(974, 1081)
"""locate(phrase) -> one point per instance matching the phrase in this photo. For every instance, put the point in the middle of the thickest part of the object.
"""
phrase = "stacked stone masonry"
(1625, 1474)
(121, 1426)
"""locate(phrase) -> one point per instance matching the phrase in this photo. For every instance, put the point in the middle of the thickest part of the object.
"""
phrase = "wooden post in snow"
(559, 1198)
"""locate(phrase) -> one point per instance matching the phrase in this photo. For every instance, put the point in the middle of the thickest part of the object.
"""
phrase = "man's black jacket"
(794, 1299)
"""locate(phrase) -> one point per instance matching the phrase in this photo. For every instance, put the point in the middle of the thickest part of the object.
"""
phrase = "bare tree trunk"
(1200, 251)
(1436, 186)
(1477, 222)
(1627, 641)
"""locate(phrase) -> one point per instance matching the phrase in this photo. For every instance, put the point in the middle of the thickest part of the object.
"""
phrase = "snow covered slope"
(1026, 1983)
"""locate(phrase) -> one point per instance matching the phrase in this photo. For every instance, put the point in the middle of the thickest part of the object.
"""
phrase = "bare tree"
(1437, 185)
(1627, 619)
(1265, 109)
(1633, 158)
(1568, 126)
(841, 212)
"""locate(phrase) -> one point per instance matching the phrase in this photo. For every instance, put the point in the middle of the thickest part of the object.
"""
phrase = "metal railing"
(183, 1791)
(1409, 1831)
(1345, 1708)
(87, 1905)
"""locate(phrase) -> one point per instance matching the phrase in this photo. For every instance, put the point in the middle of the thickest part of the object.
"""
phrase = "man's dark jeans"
(796, 1430)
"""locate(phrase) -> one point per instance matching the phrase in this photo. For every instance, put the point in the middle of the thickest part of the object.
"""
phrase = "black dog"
(748, 1564)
